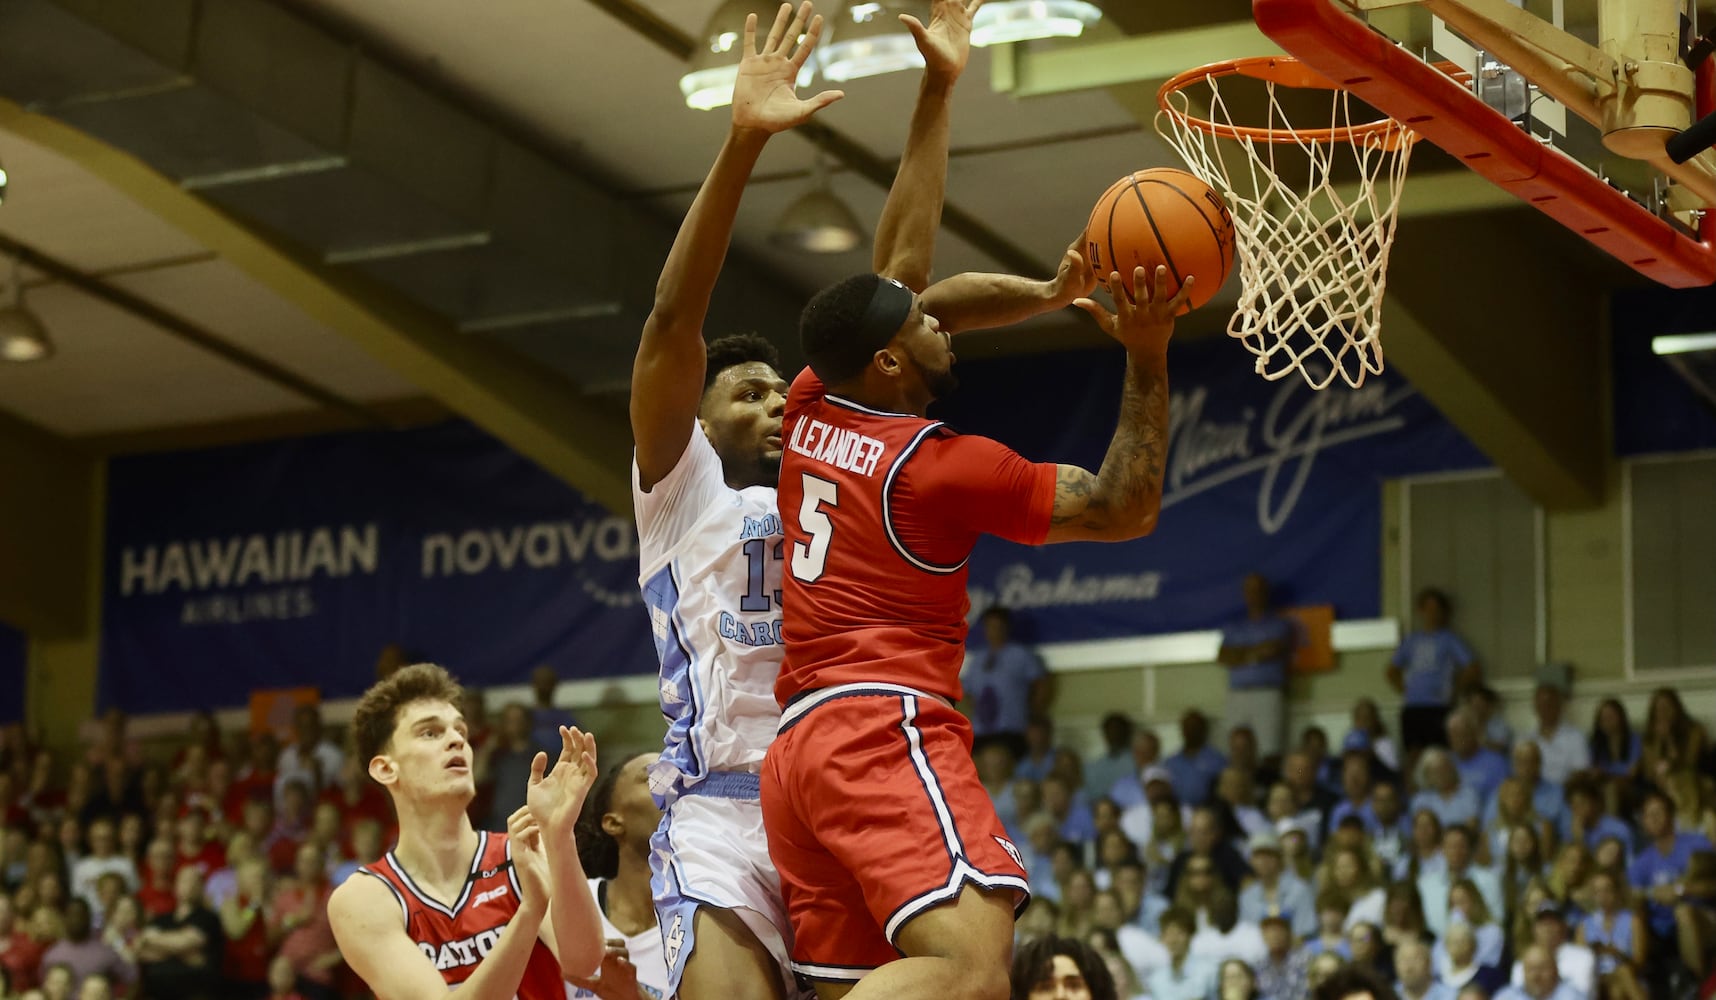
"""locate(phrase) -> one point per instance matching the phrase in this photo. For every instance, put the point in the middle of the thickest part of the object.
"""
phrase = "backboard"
(1571, 107)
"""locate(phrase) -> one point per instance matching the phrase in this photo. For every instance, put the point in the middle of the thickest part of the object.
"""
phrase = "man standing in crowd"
(1256, 651)
(1429, 668)
(1196, 765)
(1006, 685)
(312, 759)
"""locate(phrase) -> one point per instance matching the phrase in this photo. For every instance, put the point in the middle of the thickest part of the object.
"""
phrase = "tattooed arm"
(1120, 501)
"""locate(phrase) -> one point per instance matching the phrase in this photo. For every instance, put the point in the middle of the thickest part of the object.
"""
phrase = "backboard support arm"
(1632, 87)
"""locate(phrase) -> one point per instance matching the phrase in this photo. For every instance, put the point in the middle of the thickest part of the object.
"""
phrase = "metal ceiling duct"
(308, 138)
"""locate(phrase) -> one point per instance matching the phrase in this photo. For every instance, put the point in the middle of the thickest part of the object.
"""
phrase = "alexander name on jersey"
(836, 446)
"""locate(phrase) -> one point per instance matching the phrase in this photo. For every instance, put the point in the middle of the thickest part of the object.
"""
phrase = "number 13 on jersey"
(810, 558)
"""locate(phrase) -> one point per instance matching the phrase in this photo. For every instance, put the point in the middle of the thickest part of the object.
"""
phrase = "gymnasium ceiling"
(246, 218)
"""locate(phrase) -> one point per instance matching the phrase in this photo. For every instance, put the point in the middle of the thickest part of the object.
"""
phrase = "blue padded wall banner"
(294, 563)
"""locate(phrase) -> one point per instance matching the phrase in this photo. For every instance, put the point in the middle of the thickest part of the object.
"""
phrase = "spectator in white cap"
(1275, 892)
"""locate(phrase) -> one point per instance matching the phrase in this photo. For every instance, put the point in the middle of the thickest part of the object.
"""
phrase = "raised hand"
(765, 95)
(946, 43)
(529, 861)
(1145, 326)
(555, 798)
(1075, 279)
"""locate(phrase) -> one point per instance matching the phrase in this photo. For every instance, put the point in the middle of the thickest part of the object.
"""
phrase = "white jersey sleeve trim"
(669, 511)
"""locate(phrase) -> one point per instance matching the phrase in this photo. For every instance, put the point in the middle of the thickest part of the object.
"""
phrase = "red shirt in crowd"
(22, 958)
(247, 957)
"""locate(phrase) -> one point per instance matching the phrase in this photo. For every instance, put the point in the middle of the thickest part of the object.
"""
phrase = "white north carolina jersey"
(710, 567)
(643, 950)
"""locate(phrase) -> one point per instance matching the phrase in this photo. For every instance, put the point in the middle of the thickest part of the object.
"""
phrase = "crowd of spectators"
(198, 871)
(1464, 862)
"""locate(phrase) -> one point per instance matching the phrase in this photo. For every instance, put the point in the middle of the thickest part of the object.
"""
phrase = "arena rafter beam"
(535, 412)
(1022, 71)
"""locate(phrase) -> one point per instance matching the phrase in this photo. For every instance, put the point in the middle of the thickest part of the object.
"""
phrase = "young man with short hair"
(450, 907)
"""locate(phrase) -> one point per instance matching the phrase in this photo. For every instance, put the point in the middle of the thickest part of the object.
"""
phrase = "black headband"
(889, 306)
(840, 339)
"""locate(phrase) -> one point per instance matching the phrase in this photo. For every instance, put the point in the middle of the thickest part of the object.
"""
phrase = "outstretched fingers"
(750, 36)
(807, 44)
(778, 30)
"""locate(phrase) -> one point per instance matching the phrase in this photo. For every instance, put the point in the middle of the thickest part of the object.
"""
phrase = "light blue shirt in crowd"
(1194, 775)
(1195, 980)
(1437, 991)
(1562, 992)
(1460, 807)
(997, 686)
(1293, 900)
(1430, 662)
(1652, 868)
(1271, 674)
(1482, 772)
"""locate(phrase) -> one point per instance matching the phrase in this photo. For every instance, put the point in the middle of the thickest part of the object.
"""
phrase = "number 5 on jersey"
(808, 558)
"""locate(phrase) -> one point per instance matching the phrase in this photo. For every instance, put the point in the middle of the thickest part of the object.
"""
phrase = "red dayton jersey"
(881, 511)
(456, 938)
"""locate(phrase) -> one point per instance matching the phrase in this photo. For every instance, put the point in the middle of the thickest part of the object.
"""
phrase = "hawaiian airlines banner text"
(296, 563)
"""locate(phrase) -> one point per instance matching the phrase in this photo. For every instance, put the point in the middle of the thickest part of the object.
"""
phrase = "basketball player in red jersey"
(450, 907)
(886, 843)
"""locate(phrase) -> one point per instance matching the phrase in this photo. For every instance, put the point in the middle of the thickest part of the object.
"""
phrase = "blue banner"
(296, 563)
(1655, 409)
(1267, 477)
(13, 658)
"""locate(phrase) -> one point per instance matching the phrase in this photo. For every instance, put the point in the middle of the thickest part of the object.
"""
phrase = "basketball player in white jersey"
(707, 424)
(614, 831)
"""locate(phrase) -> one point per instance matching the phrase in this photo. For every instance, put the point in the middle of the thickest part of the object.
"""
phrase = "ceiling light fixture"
(715, 63)
(22, 336)
(2, 185)
(1683, 343)
(866, 38)
(1005, 21)
(818, 222)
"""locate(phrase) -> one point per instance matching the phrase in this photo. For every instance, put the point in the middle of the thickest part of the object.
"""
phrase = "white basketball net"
(1313, 256)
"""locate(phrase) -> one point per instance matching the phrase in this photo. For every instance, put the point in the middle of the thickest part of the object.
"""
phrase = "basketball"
(1162, 216)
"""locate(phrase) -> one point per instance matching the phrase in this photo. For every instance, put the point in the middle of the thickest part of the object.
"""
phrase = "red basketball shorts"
(874, 815)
